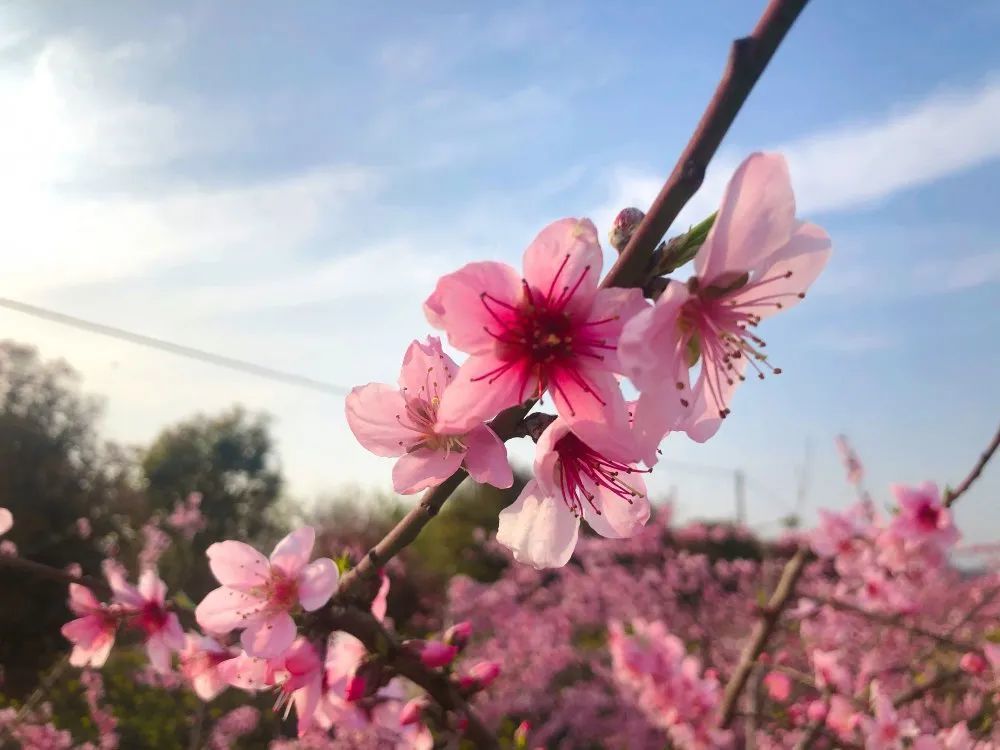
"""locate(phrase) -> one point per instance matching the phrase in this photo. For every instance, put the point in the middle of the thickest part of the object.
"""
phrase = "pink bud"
(779, 687)
(521, 733)
(816, 711)
(74, 570)
(459, 634)
(435, 654)
(411, 711)
(624, 225)
(83, 529)
(972, 663)
(8, 548)
(355, 689)
(480, 676)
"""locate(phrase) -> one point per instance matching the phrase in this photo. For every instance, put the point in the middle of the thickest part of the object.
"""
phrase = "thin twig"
(439, 686)
(761, 633)
(952, 495)
(40, 570)
(52, 676)
(747, 59)
(917, 691)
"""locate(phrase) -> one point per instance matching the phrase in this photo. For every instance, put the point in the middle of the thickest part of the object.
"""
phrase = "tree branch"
(747, 59)
(40, 570)
(761, 633)
(952, 495)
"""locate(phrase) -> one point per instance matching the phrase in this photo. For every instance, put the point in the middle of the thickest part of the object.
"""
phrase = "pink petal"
(173, 633)
(224, 609)
(540, 531)
(373, 414)
(159, 654)
(703, 419)
(246, 672)
(306, 700)
(656, 413)
(805, 256)
(617, 307)
(456, 306)
(475, 396)
(124, 593)
(423, 468)
(83, 630)
(208, 685)
(6, 521)
(317, 582)
(546, 463)
(757, 217)
(602, 426)
(82, 600)
(381, 602)
(565, 258)
(292, 553)
(101, 650)
(651, 347)
(237, 565)
(152, 588)
(269, 637)
(486, 458)
(426, 369)
(618, 518)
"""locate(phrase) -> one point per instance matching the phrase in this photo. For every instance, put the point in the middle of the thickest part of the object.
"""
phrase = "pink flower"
(83, 528)
(922, 517)
(841, 718)
(852, 464)
(552, 330)
(404, 423)
(480, 676)
(6, 521)
(93, 632)
(830, 673)
(756, 261)
(147, 610)
(972, 663)
(572, 481)
(301, 681)
(200, 662)
(779, 687)
(258, 594)
(886, 731)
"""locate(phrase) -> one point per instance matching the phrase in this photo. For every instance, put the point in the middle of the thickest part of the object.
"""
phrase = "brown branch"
(762, 631)
(40, 570)
(952, 495)
(918, 691)
(439, 686)
(895, 621)
(747, 59)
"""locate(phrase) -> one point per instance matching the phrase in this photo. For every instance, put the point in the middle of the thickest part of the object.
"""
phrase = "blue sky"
(284, 183)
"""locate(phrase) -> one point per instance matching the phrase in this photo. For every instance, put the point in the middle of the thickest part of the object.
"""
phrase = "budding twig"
(952, 495)
(761, 633)
(40, 570)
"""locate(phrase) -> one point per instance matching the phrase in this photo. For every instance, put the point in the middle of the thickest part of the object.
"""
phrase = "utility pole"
(740, 489)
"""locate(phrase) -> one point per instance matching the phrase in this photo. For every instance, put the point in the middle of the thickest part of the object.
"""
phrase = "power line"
(179, 350)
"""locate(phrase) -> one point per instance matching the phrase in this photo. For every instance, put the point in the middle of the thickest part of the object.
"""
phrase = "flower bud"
(355, 689)
(624, 225)
(412, 710)
(480, 676)
(435, 654)
(458, 635)
(521, 735)
(972, 663)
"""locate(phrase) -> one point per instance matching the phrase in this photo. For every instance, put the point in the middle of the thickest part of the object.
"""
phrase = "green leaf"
(684, 247)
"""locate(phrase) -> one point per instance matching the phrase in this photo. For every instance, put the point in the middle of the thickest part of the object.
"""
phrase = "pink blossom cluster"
(186, 517)
(553, 329)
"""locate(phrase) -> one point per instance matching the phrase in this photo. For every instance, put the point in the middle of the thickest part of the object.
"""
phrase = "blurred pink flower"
(886, 731)
(257, 594)
(6, 521)
(200, 662)
(146, 609)
(93, 632)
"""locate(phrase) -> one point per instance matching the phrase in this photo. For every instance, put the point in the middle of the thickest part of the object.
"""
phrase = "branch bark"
(952, 495)
(761, 633)
(40, 570)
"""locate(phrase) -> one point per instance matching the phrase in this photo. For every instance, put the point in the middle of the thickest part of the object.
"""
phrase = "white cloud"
(857, 164)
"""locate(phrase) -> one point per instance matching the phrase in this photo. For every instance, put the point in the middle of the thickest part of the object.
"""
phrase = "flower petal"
(82, 600)
(424, 468)
(292, 553)
(317, 582)
(151, 587)
(757, 217)
(546, 463)
(651, 347)
(159, 654)
(703, 420)
(237, 565)
(269, 637)
(6, 521)
(565, 259)
(426, 369)
(486, 458)
(611, 311)
(804, 257)
(657, 412)
(457, 306)
(619, 519)
(224, 609)
(597, 414)
(373, 414)
(483, 387)
(540, 530)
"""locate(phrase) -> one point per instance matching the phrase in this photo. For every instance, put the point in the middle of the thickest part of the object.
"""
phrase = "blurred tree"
(53, 471)
(230, 460)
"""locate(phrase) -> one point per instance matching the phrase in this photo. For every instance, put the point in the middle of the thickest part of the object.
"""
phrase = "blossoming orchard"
(607, 623)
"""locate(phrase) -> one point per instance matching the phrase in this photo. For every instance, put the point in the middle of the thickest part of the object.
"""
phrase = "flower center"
(581, 469)
(419, 415)
(928, 516)
(283, 591)
(152, 618)
(542, 336)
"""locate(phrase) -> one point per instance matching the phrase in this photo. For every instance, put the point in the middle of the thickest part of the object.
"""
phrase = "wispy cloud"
(857, 164)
